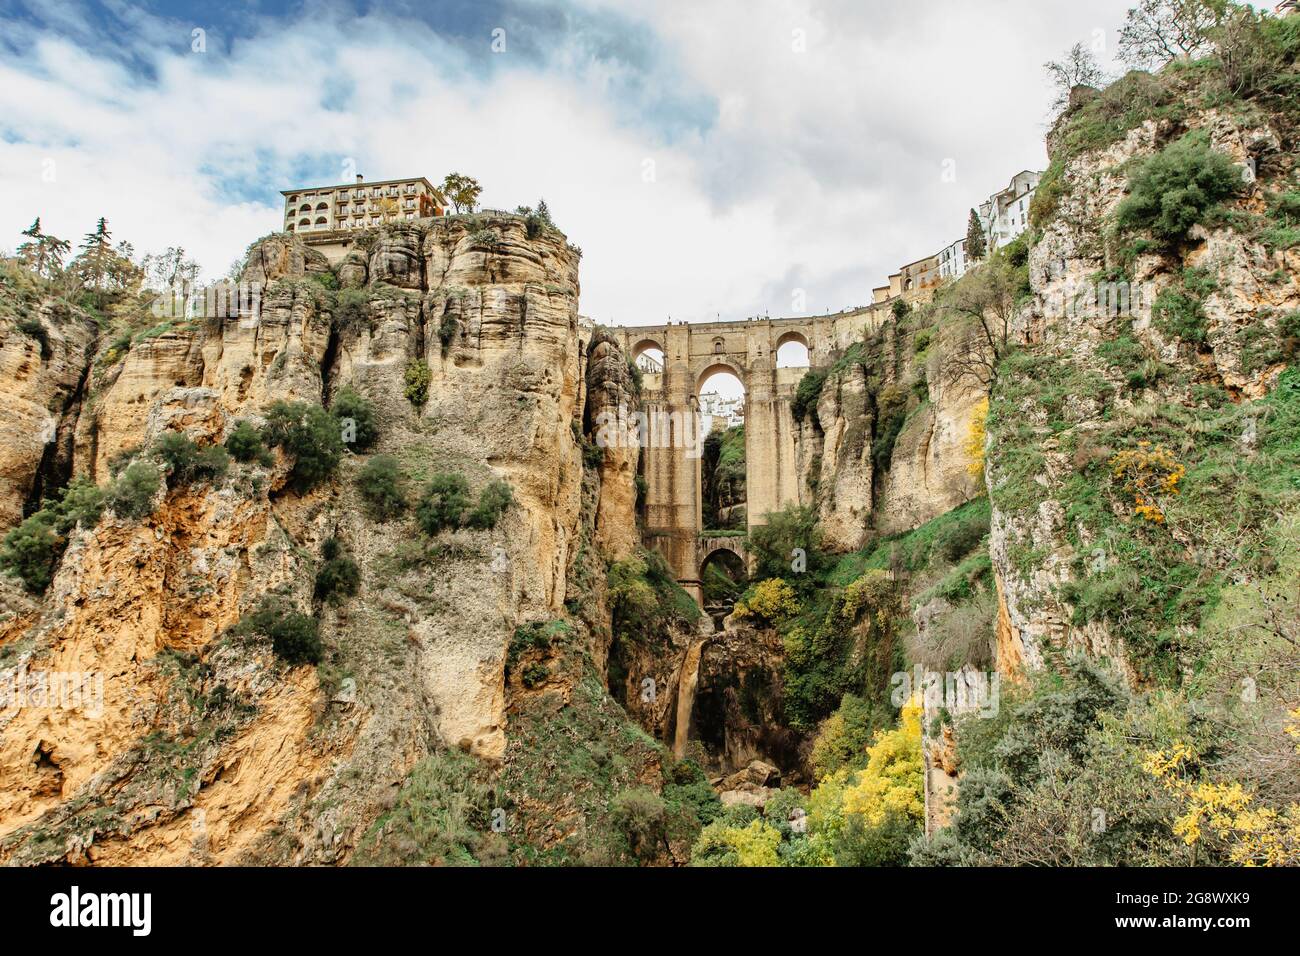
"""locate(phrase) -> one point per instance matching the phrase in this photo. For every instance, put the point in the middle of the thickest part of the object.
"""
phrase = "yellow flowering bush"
(771, 601)
(1254, 836)
(873, 591)
(1147, 472)
(975, 433)
(893, 780)
(722, 845)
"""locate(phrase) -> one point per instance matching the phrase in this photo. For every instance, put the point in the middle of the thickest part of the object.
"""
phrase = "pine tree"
(42, 253)
(96, 258)
(544, 213)
(975, 246)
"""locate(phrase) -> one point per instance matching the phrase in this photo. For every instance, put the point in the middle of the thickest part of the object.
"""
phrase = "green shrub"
(1178, 311)
(1288, 329)
(339, 577)
(245, 444)
(859, 843)
(351, 309)
(493, 501)
(444, 503)
(380, 483)
(416, 381)
(131, 496)
(186, 462)
(958, 538)
(844, 736)
(83, 503)
(774, 542)
(807, 394)
(447, 329)
(640, 815)
(31, 551)
(535, 674)
(350, 407)
(308, 434)
(534, 636)
(1175, 189)
(295, 637)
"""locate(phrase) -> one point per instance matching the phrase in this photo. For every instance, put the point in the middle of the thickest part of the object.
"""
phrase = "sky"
(712, 158)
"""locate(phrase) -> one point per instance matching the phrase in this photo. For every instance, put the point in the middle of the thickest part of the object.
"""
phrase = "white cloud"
(822, 170)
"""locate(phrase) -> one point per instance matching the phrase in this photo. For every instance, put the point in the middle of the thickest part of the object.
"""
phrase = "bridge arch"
(649, 355)
(793, 350)
(719, 367)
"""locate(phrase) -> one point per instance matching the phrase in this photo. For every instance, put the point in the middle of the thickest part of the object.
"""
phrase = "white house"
(1005, 214)
(952, 260)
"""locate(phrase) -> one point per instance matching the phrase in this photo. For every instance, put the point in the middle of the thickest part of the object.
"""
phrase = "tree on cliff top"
(42, 253)
(95, 259)
(461, 191)
(1077, 68)
(1158, 31)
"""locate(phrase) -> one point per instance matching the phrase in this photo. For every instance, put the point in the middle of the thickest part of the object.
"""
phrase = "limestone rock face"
(1253, 289)
(41, 378)
(278, 256)
(246, 363)
(465, 337)
(844, 477)
(609, 389)
(395, 257)
(929, 473)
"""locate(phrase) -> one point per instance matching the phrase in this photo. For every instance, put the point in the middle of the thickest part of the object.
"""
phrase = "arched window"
(320, 221)
(304, 222)
(305, 208)
(719, 346)
(321, 205)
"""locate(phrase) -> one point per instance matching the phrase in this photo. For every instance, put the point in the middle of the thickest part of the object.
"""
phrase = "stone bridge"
(709, 545)
(670, 398)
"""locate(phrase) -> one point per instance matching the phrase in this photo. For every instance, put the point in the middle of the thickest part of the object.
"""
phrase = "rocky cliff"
(1136, 346)
(463, 336)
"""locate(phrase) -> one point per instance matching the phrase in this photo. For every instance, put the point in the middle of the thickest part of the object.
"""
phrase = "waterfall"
(686, 684)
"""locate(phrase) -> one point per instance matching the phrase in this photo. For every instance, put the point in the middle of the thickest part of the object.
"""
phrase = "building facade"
(723, 410)
(1005, 214)
(952, 260)
(324, 216)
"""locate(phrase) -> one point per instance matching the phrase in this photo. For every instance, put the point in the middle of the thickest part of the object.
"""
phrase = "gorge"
(361, 572)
